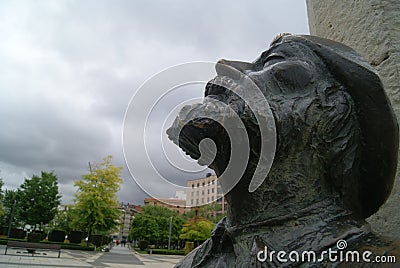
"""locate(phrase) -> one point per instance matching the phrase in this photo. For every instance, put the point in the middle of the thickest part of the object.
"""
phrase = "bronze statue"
(335, 159)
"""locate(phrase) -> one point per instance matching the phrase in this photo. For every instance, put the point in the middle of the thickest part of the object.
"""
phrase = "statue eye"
(273, 58)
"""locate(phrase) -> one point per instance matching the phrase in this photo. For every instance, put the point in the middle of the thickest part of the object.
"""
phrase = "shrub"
(17, 233)
(189, 246)
(143, 244)
(42, 234)
(75, 237)
(98, 240)
(77, 247)
(57, 236)
(167, 252)
(34, 237)
(3, 230)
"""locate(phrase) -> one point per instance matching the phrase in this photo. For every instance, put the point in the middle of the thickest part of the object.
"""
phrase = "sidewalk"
(119, 257)
(19, 258)
(158, 261)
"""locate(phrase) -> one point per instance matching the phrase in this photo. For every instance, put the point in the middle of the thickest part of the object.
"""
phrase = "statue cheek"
(292, 75)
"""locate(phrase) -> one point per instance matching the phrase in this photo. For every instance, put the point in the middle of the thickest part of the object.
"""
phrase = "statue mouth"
(223, 88)
(208, 120)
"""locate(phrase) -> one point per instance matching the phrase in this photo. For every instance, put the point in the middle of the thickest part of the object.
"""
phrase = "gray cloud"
(69, 68)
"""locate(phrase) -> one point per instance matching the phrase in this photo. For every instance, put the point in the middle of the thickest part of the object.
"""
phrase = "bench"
(31, 247)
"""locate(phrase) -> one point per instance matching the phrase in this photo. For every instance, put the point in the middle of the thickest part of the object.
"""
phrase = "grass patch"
(140, 251)
(166, 251)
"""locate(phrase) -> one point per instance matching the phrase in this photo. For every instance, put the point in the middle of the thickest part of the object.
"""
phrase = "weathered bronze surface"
(335, 160)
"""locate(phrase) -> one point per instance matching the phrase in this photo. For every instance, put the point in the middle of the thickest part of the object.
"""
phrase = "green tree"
(197, 229)
(96, 198)
(9, 197)
(210, 211)
(153, 225)
(157, 211)
(1, 198)
(65, 219)
(38, 199)
(144, 227)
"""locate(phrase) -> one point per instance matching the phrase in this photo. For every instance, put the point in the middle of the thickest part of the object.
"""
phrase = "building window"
(192, 185)
(191, 201)
(208, 191)
(192, 193)
(212, 198)
(198, 184)
(208, 199)
(202, 200)
(212, 182)
(204, 184)
(197, 193)
(202, 192)
(212, 190)
(197, 201)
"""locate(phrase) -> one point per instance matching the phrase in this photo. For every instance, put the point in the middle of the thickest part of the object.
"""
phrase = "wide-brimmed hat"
(378, 123)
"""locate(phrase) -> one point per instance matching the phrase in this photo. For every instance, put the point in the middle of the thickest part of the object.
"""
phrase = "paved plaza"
(118, 257)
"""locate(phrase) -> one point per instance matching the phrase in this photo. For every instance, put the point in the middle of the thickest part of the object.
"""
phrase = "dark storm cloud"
(69, 68)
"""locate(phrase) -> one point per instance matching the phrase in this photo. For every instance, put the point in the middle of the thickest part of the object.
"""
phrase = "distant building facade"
(180, 195)
(174, 204)
(204, 191)
(128, 212)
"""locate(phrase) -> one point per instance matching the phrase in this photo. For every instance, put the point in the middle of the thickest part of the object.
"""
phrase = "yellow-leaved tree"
(96, 203)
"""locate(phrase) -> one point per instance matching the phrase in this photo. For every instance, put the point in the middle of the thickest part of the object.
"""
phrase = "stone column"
(372, 28)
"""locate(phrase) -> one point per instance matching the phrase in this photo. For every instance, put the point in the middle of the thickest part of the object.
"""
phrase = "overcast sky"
(68, 70)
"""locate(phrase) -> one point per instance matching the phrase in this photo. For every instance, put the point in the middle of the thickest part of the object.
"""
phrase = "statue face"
(283, 72)
(328, 107)
(306, 105)
(286, 68)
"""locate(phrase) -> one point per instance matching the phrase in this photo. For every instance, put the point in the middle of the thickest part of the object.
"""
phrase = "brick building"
(174, 204)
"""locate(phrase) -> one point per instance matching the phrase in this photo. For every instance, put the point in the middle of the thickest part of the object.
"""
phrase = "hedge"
(3, 230)
(57, 236)
(63, 245)
(34, 237)
(143, 244)
(166, 251)
(99, 240)
(75, 237)
(17, 233)
(42, 234)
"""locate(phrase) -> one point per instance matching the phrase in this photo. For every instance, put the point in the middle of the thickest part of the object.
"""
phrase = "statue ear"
(292, 75)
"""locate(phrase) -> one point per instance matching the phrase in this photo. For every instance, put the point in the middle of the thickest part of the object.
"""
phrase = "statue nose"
(232, 69)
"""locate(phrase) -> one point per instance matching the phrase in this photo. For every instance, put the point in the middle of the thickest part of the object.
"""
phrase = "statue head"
(337, 136)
